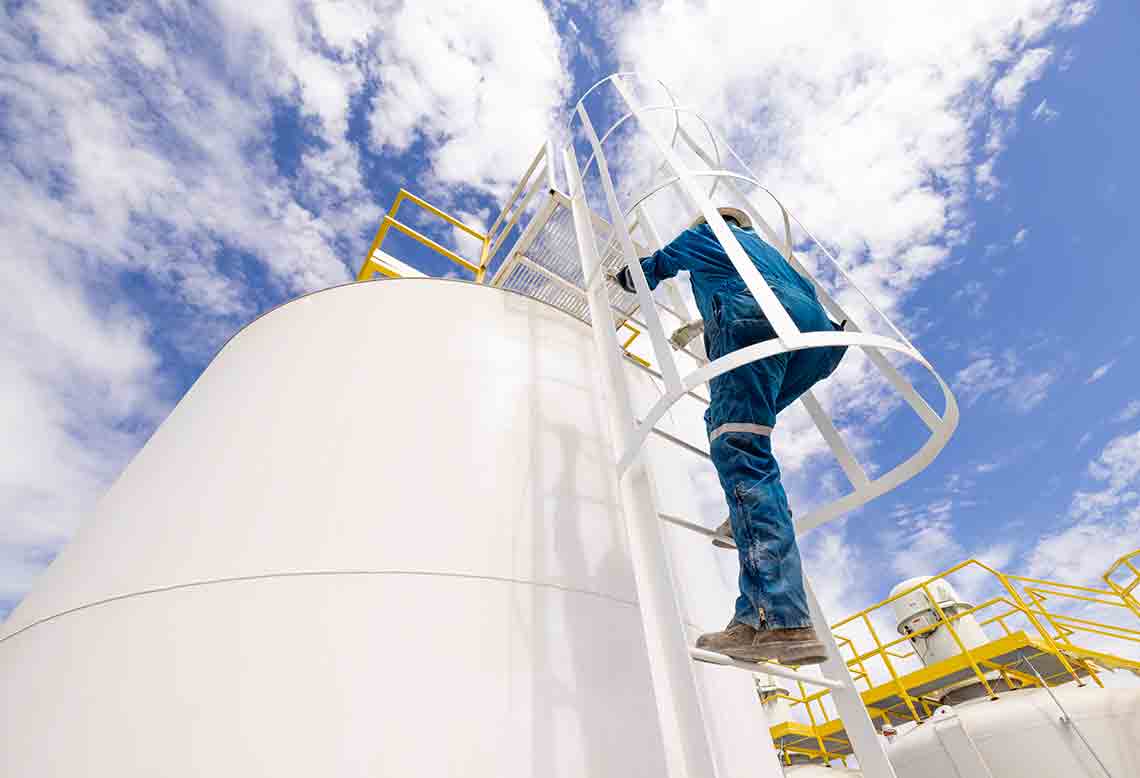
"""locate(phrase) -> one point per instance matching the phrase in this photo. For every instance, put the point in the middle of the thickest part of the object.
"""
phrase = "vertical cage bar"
(668, 365)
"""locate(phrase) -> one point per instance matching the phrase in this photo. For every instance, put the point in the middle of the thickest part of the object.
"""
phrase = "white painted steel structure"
(361, 547)
(678, 710)
(1022, 735)
(1026, 735)
(279, 584)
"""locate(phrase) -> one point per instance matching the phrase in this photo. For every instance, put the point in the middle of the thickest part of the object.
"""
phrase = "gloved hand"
(624, 279)
(684, 334)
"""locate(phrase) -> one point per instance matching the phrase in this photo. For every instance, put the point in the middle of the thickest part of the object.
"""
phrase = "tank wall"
(379, 536)
(1021, 736)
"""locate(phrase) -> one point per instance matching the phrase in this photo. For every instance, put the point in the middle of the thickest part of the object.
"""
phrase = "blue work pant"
(771, 579)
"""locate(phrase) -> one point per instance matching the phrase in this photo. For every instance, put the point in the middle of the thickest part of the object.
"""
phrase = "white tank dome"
(1022, 735)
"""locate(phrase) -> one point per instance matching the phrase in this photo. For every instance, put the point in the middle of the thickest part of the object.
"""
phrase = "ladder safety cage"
(685, 180)
(677, 701)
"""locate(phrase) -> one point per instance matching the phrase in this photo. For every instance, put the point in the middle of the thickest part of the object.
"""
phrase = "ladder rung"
(682, 443)
(700, 530)
(713, 658)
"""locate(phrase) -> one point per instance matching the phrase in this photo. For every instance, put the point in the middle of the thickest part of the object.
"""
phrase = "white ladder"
(688, 753)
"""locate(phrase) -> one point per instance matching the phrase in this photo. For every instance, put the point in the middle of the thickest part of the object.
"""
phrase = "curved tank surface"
(1022, 735)
(379, 536)
(820, 771)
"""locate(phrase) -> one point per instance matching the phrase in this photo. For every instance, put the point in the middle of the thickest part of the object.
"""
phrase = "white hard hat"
(737, 215)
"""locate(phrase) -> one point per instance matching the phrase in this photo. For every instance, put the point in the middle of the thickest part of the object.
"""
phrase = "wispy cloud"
(1023, 389)
(469, 89)
(1128, 413)
(1100, 372)
(1104, 521)
(1010, 88)
(976, 295)
(1044, 113)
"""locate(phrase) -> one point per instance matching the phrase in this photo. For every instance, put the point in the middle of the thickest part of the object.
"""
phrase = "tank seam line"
(310, 573)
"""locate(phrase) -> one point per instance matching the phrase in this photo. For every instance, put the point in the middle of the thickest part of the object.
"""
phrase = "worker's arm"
(685, 252)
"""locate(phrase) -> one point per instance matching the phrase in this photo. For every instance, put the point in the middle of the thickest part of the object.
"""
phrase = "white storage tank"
(820, 771)
(379, 536)
(1022, 735)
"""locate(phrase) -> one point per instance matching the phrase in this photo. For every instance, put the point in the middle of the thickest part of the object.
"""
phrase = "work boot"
(722, 536)
(797, 646)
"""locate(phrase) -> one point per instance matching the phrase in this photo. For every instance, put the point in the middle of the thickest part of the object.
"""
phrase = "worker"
(771, 619)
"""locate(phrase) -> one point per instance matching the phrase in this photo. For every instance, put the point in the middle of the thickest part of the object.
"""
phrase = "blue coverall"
(744, 405)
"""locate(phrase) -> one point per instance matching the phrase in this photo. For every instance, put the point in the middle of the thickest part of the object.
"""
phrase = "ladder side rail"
(653, 241)
(688, 753)
(667, 364)
(865, 741)
(868, 747)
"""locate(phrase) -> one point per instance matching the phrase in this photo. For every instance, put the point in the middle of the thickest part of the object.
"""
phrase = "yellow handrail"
(1031, 614)
(371, 265)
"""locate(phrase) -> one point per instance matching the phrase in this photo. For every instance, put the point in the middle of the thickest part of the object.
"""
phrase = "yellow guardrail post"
(1125, 592)
(814, 726)
(1037, 625)
(891, 669)
(369, 268)
(961, 646)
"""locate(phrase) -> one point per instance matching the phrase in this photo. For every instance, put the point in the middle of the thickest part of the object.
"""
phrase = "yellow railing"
(376, 261)
(373, 265)
(1126, 566)
(1060, 626)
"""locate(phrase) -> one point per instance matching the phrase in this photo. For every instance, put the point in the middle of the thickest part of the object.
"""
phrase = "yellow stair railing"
(1063, 630)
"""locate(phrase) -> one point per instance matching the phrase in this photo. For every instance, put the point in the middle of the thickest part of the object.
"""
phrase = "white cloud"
(1082, 552)
(986, 180)
(1010, 88)
(1130, 412)
(1100, 372)
(923, 541)
(1118, 467)
(1021, 235)
(1003, 374)
(976, 295)
(861, 122)
(482, 94)
(1105, 521)
(1030, 390)
(72, 368)
(1079, 12)
(1044, 113)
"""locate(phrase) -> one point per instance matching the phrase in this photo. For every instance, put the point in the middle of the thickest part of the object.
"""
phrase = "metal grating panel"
(552, 246)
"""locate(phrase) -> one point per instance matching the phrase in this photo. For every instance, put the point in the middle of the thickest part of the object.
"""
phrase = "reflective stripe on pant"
(771, 579)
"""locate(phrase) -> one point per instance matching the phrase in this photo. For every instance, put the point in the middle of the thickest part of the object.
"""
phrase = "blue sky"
(172, 173)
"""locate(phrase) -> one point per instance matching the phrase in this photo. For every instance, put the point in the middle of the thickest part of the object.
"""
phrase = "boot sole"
(723, 542)
(799, 654)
